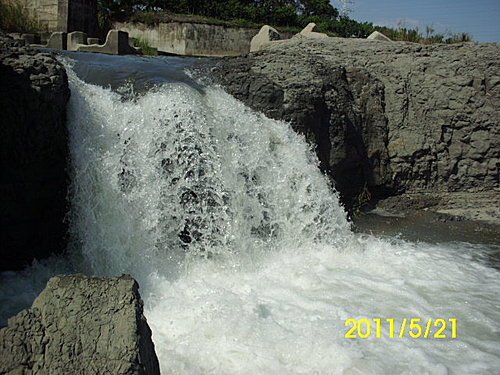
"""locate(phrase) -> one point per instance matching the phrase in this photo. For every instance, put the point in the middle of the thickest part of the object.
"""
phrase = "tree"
(321, 8)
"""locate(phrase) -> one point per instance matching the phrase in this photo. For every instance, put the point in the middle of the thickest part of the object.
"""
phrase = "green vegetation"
(285, 15)
(145, 47)
(14, 17)
(415, 35)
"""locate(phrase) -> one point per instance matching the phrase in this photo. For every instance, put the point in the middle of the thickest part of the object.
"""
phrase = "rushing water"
(246, 261)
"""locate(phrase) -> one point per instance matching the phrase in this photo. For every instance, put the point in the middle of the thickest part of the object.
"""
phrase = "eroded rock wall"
(33, 154)
(394, 117)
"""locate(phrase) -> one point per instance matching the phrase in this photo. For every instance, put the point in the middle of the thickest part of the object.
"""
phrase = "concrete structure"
(117, 43)
(265, 36)
(64, 15)
(192, 39)
(308, 32)
(75, 39)
(92, 40)
(57, 40)
(30, 38)
(378, 36)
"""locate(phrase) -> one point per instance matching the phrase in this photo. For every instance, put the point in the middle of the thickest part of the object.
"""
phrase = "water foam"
(177, 173)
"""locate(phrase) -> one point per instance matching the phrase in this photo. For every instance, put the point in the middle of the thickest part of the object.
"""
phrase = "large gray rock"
(391, 117)
(80, 325)
(33, 154)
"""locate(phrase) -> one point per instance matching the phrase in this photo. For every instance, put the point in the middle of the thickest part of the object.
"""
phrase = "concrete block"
(378, 36)
(266, 35)
(58, 40)
(116, 44)
(31, 38)
(15, 35)
(308, 32)
(75, 39)
(92, 41)
(45, 36)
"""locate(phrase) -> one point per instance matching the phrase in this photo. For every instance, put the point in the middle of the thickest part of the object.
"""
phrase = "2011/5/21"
(362, 328)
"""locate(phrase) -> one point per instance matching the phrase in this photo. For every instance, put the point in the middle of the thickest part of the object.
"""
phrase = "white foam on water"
(246, 261)
(287, 315)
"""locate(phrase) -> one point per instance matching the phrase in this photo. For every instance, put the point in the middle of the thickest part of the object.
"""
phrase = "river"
(244, 256)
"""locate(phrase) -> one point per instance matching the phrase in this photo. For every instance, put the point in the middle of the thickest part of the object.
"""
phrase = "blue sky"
(480, 18)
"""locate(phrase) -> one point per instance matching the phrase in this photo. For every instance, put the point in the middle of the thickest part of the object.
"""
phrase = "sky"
(479, 18)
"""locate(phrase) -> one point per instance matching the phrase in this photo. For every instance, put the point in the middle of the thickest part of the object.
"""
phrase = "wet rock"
(80, 325)
(33, 154)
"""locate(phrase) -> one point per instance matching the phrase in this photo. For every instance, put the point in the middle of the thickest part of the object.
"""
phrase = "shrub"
(145, 47)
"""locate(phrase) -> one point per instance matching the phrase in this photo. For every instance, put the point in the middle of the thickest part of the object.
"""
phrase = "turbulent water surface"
(246, 261)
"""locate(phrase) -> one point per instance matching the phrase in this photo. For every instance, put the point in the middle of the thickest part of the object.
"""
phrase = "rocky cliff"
(80, 325)
(33, 154)
(385, 117)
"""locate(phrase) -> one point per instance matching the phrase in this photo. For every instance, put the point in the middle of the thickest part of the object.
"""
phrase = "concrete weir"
(117, 43)
(192, 39)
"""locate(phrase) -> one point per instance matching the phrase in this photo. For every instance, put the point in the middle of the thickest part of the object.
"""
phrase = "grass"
(15, 17)
(401, 33)
(145, 47)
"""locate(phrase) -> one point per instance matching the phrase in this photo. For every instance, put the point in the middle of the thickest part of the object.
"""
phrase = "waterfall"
(177, 174)
(244, 256)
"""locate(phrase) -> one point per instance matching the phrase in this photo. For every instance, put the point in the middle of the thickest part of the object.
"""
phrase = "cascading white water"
(245, 259)
(179, 175)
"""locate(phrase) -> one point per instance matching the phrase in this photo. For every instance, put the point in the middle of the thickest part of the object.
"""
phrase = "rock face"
(33, 151)
(387, 117)
(80, 325)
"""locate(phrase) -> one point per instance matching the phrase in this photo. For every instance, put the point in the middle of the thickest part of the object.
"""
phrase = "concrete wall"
(46, 13)
(64, 15)
(192, 39)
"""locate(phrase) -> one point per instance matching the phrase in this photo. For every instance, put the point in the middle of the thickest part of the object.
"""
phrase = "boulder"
(384, 117)
(80, 325)
(33, 154)
(378, 36)
(266, 35)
